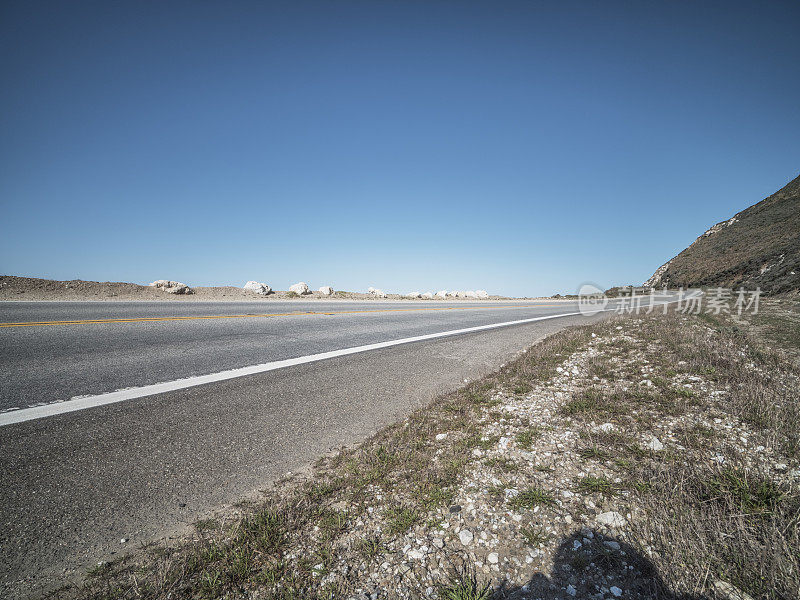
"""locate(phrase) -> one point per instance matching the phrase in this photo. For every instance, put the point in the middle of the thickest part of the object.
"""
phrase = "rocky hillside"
(758, 247)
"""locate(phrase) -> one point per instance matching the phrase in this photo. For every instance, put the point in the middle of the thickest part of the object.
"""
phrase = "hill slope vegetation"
(757, 247)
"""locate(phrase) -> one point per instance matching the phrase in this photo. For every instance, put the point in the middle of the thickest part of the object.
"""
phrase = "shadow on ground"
(591, 565)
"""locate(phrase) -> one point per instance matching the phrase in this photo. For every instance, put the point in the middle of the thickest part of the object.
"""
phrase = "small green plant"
(534, 536)
(589, 401)
(401, 519)
(503, 464)
(206, 524)
(99, 570)
(332, 522)
(526, 438)
(370, 547)
(751, 493)
(265, 530)
(596, 485)
(531, 497)
(593, 452)
(465, 586)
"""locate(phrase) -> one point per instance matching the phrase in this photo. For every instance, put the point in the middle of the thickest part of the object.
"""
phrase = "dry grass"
(703, 521)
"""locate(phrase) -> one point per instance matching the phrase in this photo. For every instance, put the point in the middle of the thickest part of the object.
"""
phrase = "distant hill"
(758, 247)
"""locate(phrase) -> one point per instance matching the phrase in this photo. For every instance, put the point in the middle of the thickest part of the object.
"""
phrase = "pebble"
(654, 444)
(465, 536)
(611, 519)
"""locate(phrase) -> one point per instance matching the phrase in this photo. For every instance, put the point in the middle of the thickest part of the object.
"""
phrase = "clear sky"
(519, 147)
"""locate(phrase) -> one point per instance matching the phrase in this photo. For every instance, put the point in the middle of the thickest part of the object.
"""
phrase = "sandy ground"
(32, 289)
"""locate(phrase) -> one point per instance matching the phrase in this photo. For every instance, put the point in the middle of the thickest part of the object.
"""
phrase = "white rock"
(654, 444)
(456, 294)
(611, 519)
(483, 294)
(606, 427)
(441, 436)
(378, 293)
(616, 591)
(493, 558)
(299, 288)
(470, 294)
(465, 536)
(428, 295)
(415, 554)
(413, 295)
(730, 592)
(441, 294)
(326, 290)
(781, 467)
(259, 288)
(171, 287)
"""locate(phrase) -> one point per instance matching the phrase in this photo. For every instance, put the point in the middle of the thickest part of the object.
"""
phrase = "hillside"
(757, 247)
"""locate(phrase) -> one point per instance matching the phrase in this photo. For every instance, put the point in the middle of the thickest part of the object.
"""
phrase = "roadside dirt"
(27, 289)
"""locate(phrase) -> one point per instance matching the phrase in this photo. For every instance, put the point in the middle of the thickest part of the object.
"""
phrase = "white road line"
(82, 403)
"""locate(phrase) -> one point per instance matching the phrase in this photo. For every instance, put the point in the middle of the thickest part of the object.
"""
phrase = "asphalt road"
(74, 485)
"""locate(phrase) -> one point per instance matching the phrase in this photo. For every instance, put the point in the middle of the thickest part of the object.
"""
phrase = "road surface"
(140, 465)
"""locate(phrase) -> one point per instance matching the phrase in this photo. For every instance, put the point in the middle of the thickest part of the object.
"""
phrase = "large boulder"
(326, 290)
(261, 289)
(456, 294)
(171, 287)
(428, 295)
(301, 289)
(483, 294)
(441, 294)
(378, 293)
(470, 294)
(413, 295)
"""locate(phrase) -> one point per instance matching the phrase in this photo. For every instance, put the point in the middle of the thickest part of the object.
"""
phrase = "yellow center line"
(285, 314)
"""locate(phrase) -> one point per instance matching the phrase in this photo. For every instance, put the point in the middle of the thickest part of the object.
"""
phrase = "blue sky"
(519, 147)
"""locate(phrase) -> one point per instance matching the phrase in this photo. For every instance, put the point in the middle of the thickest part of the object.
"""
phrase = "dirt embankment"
(34, 289)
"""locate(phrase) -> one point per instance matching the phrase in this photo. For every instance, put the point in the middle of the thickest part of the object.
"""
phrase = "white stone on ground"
(611, 519)
(428, 295)
(470, 294)
(465, 536)
(481, 294)
(326, 290)
(654, 444)
(259, 288)
(413, 295)
(171, 287)
(441, 294)
(300, 288)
